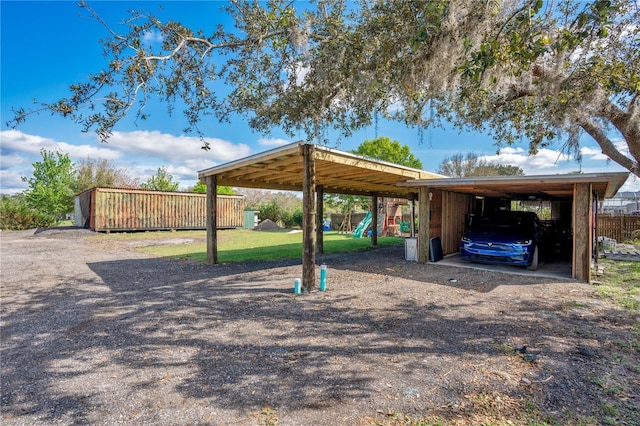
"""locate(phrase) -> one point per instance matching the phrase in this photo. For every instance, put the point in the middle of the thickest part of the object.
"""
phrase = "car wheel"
(534, 262)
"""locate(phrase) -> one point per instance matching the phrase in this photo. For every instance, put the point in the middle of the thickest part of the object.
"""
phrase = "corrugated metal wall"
(112, 209)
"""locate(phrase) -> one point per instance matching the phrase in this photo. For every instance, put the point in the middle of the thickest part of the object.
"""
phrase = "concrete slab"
(550, 270)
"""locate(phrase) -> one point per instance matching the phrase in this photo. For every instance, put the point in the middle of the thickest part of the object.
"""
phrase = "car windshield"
(507, 221)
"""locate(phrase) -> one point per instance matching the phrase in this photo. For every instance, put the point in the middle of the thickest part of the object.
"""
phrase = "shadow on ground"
(236, 338)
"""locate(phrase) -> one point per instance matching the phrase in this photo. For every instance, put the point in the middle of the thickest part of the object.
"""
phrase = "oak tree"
(545, 72)
(461, 165)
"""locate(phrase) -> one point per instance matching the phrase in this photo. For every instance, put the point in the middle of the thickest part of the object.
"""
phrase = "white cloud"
(184, 175)
(141, 153)
(177, 149)
(273, 142)
(15, 140)
(13, 160)
(16, 143)
(547, 161)
(20, 150)
(152, 36)
(11, 182)
(595, 153)
(631, 185)
(592, 153)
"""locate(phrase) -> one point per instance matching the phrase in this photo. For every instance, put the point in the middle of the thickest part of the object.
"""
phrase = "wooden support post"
(424, 225)
(412, 214)
(212, 220)
(374, 220)
(308, 217)
(319, 218)
(582, 228)
(594, 230)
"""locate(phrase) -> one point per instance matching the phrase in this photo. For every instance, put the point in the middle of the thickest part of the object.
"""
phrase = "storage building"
(114, 209)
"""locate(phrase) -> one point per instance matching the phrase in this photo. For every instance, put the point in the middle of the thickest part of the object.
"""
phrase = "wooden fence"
(620, 228)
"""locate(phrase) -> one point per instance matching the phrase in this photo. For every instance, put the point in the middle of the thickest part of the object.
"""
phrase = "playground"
(394, 219)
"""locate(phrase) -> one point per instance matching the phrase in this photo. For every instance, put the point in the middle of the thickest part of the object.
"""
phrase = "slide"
(362, 226)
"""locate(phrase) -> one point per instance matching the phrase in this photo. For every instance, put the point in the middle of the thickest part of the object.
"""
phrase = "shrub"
(285, 219)
(296, 217)
(281, 215)
(16, 215)
(269, 210)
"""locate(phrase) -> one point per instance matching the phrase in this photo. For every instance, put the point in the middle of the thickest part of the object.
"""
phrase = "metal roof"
(539, 186)
(346, 173)
(337, 171)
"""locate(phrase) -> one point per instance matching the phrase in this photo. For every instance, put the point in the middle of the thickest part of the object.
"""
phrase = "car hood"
(498, 235)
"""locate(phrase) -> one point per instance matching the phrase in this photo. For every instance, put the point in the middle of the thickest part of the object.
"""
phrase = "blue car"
(507, 238)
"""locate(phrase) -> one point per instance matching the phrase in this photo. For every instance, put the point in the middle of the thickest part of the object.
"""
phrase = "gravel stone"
(94, 332)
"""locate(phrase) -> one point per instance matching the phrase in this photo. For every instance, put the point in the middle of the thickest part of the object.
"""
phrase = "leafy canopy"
(385, 149)
(50, 188)
(201, 188)
(92, 172)
(460, 165)
(161, 181)
(381, 148)
(544, 72)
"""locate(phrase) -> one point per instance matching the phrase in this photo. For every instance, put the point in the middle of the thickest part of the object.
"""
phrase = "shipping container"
(112, 209)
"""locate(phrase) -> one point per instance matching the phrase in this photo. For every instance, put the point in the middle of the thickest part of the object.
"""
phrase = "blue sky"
(48, 45)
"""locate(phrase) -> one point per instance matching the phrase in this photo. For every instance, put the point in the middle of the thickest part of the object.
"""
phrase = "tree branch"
(607, 146)
(626, 122)
(211, 46)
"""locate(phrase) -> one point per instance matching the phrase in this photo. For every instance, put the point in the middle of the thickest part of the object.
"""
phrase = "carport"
(313, 170)
(443, 205)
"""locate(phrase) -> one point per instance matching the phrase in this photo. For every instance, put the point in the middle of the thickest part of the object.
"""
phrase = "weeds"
(611, 412)
(573, 305)
(504, 348)
(480, 408)
(400, 419)
(621, 284)
(268, 417)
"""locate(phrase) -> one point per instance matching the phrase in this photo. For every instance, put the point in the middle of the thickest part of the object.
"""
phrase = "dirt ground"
(93, 332)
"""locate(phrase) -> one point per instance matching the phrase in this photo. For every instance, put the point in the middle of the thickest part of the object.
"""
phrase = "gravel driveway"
(94, 332)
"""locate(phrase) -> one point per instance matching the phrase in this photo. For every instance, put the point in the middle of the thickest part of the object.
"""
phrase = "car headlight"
(466, 240)
(523, 242)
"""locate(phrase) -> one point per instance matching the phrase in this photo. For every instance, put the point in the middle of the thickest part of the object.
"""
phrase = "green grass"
(242, 245)
(621, 283)
(148, 235)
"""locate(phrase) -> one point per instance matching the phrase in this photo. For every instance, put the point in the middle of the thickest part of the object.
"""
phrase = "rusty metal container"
(112, 209)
